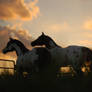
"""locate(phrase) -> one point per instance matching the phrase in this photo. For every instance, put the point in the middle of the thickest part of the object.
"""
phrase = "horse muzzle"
(32, 44)
(4, 51)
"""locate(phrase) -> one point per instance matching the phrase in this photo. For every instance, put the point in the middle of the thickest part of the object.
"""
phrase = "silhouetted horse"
(71, 55)
(35, 60)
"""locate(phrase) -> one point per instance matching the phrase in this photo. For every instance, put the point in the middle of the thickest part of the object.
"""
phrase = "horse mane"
(49, 38)
(20, 44)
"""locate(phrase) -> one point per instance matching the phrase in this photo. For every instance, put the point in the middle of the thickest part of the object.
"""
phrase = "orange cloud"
(8, 56)
(22, 35)
(35, 9)
(18, 9)
(88, 25)
(16, 25)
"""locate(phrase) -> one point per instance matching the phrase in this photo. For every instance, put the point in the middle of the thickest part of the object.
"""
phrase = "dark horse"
(37, 59)
(75, 56)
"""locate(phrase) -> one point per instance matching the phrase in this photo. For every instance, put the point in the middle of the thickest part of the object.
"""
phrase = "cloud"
(35, 9)
(8, 56)
(22, 35)
(17, 25)
(18, 9)
(88, 25)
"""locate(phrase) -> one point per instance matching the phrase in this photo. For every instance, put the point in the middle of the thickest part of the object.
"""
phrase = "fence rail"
(5, 60)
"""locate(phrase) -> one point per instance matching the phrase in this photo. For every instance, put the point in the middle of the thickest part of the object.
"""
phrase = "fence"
(12, 61)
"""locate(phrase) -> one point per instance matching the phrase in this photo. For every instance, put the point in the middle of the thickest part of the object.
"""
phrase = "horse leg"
(19, 74)
(78, 71)
(90, 67)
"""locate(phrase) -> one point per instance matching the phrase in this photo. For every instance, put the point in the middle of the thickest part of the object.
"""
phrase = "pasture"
(64, 83)
(13, 83)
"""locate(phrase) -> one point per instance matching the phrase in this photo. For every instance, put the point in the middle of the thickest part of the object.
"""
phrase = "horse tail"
(88, 56)
(87, 52)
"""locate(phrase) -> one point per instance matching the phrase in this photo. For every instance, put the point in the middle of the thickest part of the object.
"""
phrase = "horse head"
(9, 46)
(44, 40)
(39, 41)
(15, 45)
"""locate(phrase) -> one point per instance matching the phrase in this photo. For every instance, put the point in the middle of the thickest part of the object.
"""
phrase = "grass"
(13, 83)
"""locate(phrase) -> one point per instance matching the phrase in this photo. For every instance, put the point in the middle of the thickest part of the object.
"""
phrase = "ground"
(9, 83)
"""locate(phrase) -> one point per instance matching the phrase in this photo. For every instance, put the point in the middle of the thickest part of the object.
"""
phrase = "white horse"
(75, 56)
(35, 60)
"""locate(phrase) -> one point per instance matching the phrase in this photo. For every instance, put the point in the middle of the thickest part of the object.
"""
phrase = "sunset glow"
(69, 22)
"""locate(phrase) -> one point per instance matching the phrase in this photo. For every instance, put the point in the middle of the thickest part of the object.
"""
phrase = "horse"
(35, 60)
(76, 56)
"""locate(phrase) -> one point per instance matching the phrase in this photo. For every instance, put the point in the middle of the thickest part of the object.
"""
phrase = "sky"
(68, 22)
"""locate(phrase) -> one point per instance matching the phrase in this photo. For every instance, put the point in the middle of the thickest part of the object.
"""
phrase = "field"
(10, 82)
(13, 83)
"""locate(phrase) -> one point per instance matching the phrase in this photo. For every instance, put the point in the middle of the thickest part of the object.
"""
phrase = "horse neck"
(51, 44)
(20, 50)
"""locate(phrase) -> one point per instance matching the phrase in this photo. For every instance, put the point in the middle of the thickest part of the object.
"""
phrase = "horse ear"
(42, 33)
(11, 39)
